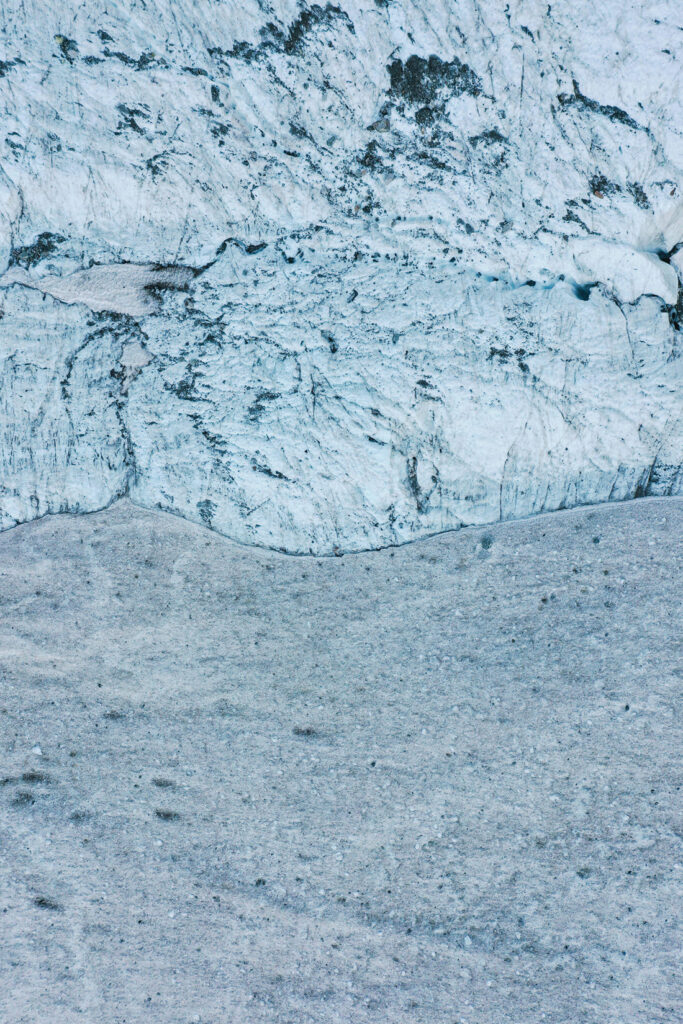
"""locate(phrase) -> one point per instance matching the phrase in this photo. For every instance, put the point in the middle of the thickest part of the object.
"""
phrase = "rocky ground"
(437, 783)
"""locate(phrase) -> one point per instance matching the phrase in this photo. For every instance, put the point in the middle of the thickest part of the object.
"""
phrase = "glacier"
(330, 277)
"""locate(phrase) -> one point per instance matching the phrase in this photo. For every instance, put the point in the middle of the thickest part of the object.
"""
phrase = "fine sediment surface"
(431, 784)
(337, 276)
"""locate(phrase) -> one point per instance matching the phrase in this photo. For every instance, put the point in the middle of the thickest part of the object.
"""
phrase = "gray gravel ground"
(439, 783)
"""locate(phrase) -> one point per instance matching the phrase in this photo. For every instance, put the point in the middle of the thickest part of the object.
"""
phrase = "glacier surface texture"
(328, 277)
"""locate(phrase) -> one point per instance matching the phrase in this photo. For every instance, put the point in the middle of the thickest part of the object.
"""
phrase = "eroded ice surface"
(339, 276)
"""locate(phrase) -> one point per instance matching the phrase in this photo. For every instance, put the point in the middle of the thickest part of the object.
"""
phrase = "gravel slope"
(437, 783)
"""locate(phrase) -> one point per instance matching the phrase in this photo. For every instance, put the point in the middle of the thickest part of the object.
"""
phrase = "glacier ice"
(334, 276)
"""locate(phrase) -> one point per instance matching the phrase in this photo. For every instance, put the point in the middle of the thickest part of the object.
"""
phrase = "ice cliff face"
(328, 277)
